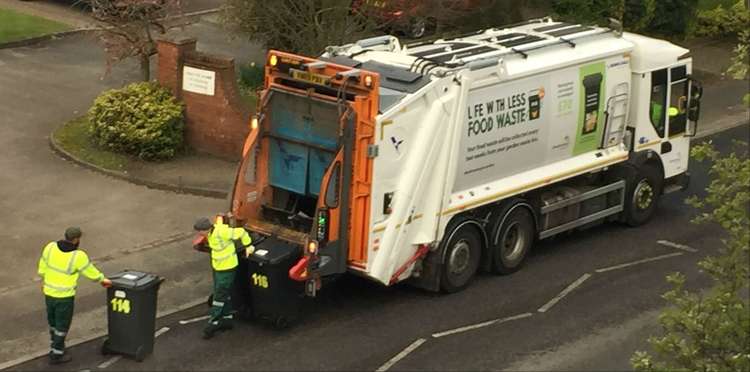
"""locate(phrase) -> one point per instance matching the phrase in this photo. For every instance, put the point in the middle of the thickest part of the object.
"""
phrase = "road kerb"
(199, 191)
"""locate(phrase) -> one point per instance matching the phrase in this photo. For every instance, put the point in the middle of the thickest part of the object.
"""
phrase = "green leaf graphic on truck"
(591, 109)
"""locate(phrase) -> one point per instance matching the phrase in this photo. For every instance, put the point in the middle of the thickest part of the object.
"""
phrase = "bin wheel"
(105, 347)
(281, 323)
(140, 354)
(210, 300)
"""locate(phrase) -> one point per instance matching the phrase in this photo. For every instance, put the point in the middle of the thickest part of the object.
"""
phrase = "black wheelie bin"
(275, 297)
(131, 314)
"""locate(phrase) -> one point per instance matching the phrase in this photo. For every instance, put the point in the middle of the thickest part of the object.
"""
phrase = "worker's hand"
(106, 283)
(249, 250)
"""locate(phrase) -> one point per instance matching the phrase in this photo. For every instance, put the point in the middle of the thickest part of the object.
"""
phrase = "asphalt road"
(357, 325)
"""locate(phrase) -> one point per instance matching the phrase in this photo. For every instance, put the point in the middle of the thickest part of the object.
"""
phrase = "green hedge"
(142, 119)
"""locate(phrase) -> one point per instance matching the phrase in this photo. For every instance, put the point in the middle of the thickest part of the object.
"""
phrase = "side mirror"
(696, 92)
(694, 107)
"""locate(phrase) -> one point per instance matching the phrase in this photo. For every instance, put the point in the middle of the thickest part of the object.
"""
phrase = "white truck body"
(524, 108)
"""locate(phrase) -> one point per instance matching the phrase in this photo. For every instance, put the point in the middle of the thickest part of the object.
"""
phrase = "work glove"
(106, 283)
(249, 250)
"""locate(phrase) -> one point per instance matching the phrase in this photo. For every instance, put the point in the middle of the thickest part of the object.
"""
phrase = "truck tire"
(512, 239)
(642, 195)
(461, 259)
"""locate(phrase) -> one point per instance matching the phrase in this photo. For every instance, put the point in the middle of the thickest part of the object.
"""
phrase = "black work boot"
(59, 359)
(211, 329)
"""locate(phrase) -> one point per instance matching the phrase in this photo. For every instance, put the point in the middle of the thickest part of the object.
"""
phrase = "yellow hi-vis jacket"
(59, 270)
(221, 241)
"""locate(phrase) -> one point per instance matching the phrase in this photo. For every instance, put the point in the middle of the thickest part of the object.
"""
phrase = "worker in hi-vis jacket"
(60, 265)
(220, 241)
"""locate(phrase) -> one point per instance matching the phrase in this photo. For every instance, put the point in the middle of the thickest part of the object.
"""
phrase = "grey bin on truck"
(275, 297)
(131, 314)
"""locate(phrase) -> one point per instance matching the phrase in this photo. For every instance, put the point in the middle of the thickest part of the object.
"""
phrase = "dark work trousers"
(59, 317)
(221, 307)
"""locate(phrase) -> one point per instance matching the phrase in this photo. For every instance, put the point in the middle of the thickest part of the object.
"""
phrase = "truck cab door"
(676, 145)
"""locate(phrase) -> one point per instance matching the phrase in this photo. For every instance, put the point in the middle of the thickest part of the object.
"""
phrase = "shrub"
(664, 17)
(142, 119)
(723, 22)
(251, 76)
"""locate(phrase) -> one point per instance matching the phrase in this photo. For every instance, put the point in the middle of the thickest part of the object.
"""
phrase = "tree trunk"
(145, 67)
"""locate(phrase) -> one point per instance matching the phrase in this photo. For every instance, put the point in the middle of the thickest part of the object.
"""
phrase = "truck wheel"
(512, 240)
(461, 260)
(642, 196)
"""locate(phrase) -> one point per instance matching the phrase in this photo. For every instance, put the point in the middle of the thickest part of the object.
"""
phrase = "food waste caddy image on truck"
(432, 161)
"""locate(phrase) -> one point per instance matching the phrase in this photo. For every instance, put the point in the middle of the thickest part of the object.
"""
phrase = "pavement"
(125, 225)
(355, 324)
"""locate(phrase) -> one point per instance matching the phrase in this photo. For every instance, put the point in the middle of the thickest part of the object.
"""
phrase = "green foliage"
(18, 26)
(303, 27)
(251, 76)
(723, 22)
(588, 11)
(142, 119)
(711, 332)
(664, 17)
(638, 14)
(73, 137)
(733, 22)
(672, 17)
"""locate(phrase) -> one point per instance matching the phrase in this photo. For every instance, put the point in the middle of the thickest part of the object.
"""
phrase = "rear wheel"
(461, 261)
(512, 240)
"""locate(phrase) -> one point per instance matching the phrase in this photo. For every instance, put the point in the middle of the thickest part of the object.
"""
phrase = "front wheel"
(643, 194)
(461, 260)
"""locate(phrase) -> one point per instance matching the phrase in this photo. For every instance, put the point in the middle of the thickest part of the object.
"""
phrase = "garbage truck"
(432, 161)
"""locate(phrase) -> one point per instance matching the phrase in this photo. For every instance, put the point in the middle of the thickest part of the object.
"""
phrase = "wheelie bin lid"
(273, 251)
(131, 279)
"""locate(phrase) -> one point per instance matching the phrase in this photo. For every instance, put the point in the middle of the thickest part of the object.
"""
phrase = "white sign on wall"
(198, 81)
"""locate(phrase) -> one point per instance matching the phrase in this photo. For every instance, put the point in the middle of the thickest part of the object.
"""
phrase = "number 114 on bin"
(121, 305)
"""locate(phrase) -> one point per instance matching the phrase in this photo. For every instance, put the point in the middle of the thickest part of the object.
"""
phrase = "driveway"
(125, 225)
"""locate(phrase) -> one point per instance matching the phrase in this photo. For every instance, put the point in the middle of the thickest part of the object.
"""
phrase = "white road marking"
(161, 331)
(683, 247)
(564, 293)
(480, 325)
(198, 319)
(628, 264)
(414, 345)
(109, 362)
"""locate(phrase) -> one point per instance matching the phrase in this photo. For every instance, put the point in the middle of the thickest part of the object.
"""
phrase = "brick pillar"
(216, 118)
(171, 60)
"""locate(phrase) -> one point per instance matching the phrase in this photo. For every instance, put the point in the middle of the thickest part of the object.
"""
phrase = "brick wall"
(216, 124)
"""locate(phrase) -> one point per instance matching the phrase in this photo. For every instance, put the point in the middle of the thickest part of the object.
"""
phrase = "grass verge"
(16, 26)
(73, 137)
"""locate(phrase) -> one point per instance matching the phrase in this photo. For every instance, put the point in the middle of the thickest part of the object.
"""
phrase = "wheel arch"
(648, 158)
(457, 223)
